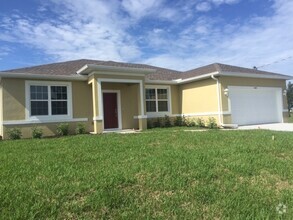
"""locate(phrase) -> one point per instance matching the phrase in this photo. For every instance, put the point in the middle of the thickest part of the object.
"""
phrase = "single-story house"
(107, 95)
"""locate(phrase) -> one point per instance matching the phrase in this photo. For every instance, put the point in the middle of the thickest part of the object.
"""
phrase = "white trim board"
(24, 122)
(186, 115)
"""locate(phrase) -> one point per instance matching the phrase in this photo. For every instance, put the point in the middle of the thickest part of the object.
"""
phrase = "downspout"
(219, 101)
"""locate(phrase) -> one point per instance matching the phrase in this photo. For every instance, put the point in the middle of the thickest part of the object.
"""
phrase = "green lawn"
(161, 174)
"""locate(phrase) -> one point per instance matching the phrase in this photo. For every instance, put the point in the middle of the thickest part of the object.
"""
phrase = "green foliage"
(211, 123)
(80, 128)
(150, 124)
(290, 95)
(189, 122)
(62, 129)
(14, 133)
(167, 122)
(157, 123)
(199, 122)
(37, 132)
(178, 121)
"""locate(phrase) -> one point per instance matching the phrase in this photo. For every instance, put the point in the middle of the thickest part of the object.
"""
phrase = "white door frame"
(118, 109)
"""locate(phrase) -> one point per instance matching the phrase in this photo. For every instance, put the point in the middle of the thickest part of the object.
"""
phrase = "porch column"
(97, 117)
(142, 118)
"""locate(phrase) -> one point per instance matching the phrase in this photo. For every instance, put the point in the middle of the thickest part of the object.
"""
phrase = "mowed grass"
(160, 174)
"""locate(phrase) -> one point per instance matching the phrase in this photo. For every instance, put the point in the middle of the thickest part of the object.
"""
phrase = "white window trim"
(157, 113)
(48, 117)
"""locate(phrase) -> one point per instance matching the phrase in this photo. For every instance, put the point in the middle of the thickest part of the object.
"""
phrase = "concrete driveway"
(273, 127)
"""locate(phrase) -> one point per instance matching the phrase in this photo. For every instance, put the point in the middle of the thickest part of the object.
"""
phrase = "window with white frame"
(157, 100)
(48, 99)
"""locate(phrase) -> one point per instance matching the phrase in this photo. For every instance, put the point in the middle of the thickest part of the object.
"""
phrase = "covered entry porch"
(118, 104)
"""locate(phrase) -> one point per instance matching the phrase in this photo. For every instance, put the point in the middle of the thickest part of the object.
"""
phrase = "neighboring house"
(109, 95)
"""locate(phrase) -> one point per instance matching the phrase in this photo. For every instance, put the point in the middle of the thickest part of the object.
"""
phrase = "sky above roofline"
(175, 34)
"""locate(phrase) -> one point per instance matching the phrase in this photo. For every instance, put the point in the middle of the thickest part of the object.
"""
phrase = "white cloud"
(203, 6)
(88, 29)
(259, 41)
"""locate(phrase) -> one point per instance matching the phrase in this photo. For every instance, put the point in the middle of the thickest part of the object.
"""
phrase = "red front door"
(110, 110)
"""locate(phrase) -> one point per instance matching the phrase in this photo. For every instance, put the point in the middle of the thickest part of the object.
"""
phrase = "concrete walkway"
(273, 127)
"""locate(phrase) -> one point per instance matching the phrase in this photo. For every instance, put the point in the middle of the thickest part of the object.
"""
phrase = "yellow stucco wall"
(13, 99)
(242, 81)
(198, 97)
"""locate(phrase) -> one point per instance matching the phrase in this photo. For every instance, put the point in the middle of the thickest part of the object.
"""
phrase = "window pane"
(59, 107)
(150, 94)
(162, 94)
(58, 92)
(39, 108)
(150, 106)
(39, 92)
(162, 106)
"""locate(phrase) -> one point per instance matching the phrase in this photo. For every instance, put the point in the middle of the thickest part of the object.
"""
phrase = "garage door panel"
(255, 106)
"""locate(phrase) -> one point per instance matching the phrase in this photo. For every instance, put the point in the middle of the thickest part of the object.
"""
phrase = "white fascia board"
(102, 68)
(254, 75)
(41, 76)
(164, 82)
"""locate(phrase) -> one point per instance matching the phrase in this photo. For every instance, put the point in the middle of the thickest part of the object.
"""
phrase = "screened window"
(48, 100)
(157, 100)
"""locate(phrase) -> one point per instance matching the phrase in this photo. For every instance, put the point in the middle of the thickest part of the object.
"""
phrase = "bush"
(200, 123)
(189, 122)
(14, 133)
(37, 132)
(178, 121)
(157, 123)
(63, 129)
(149, 123)
(80, 128)
(211, 123)
(167, 121)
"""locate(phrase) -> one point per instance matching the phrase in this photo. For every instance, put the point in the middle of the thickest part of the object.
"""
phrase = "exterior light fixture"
(226, 92)
(284, 92)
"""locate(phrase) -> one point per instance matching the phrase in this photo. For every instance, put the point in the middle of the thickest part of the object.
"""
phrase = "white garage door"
(255, 105)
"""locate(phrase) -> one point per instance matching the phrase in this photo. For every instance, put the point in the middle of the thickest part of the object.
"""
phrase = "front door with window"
(110, 110)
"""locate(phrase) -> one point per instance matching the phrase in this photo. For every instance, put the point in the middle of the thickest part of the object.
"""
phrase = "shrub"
(37, 132)
(200, 123)
(157, 123)
(189, 122)
(149, 123)
(178, 121)
(63, 129)
(167, 121)
(80, 128)
(14, 133)
(211, 123)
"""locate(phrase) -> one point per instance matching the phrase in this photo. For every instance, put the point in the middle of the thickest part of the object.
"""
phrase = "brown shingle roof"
(70, 68)
(218, 67)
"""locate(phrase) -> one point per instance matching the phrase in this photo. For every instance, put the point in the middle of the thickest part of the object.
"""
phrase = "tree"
(290, 96)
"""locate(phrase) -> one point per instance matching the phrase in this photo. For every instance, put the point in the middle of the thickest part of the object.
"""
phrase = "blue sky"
(177, 34)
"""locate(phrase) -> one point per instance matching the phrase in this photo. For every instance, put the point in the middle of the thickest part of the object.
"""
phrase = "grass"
(160, 174)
